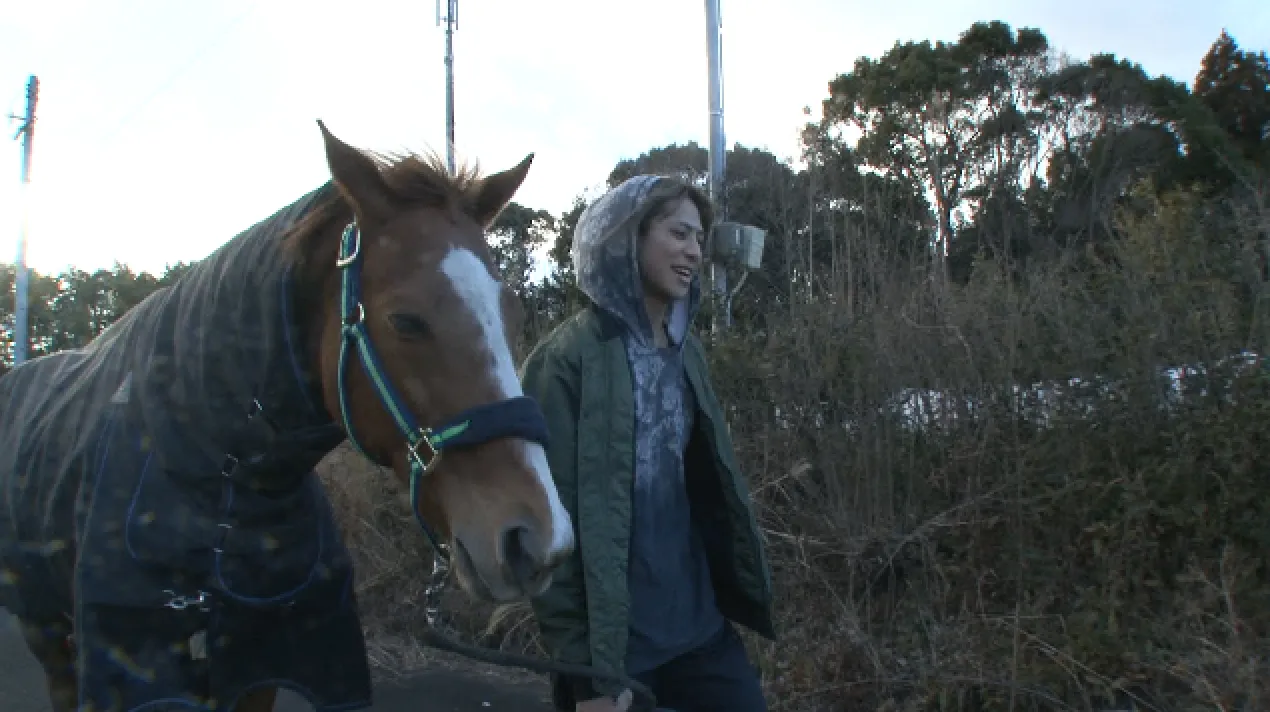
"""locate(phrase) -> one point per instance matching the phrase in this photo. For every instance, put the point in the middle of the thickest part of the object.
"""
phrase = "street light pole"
(717, 157)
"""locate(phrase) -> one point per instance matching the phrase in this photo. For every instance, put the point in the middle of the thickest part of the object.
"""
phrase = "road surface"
(435, 690)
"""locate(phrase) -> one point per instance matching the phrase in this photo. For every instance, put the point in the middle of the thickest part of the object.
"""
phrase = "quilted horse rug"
(164, 474)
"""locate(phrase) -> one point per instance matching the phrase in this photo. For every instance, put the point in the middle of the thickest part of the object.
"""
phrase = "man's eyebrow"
(690, 226)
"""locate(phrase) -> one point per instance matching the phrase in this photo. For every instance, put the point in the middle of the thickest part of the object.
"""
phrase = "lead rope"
(436, 637)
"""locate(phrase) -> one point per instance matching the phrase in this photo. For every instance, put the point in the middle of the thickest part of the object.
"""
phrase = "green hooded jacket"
(582, 377)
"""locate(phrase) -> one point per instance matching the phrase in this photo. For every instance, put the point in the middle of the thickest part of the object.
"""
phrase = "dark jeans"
(713, 678)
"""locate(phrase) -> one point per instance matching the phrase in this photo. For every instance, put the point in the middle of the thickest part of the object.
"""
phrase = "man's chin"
(678, 294)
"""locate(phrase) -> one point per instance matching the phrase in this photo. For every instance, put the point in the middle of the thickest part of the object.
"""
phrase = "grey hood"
(604, 256)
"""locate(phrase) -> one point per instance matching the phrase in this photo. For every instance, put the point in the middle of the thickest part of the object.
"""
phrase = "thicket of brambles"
(997, 388)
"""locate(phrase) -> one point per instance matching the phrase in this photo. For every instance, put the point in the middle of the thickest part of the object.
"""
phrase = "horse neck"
(316, 298)
(232, 333)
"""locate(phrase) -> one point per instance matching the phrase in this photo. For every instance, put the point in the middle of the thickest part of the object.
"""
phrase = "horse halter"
(514, 417)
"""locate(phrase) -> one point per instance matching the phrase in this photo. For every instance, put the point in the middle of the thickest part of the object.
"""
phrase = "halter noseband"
(514, 417)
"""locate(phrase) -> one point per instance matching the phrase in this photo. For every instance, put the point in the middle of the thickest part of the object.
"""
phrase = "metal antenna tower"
(451, 19)
(21, 277)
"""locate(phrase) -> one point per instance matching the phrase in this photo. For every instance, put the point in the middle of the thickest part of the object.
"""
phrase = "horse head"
(413, 343)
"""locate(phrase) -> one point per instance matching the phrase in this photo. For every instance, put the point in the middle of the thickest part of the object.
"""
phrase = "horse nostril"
(518, 547)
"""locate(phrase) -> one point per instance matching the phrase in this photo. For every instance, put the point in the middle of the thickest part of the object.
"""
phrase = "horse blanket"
(164, 473)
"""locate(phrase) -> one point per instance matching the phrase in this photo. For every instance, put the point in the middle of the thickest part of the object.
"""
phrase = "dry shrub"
(1091, 544)
(1105, 550)
(391, 557)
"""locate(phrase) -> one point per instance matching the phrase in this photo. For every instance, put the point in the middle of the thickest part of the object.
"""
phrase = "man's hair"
(666, 198)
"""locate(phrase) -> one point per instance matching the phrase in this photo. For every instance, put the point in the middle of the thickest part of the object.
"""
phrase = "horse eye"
(410, 325)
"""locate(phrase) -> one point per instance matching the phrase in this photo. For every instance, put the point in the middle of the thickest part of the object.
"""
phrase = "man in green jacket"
(669, 554)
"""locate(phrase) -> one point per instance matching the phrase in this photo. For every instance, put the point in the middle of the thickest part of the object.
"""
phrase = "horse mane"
(412, 179)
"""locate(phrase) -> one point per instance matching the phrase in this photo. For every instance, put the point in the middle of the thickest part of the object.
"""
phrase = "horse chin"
(477, 585)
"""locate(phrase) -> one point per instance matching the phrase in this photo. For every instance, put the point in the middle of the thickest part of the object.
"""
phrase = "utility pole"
(20, 282)
(451, 20)
(717, 155)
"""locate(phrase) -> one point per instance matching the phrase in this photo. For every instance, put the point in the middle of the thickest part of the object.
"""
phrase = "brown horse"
(157, 501)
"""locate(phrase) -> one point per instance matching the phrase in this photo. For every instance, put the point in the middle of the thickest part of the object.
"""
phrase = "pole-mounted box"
(736, 245)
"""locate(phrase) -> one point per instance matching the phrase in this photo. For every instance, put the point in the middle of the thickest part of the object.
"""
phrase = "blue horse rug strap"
(515, 417)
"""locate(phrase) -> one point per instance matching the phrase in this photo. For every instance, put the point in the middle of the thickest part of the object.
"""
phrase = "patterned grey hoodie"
(672, 601)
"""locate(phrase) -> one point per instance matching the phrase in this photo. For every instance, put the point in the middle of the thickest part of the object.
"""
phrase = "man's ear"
(357, 177)
(497, 191)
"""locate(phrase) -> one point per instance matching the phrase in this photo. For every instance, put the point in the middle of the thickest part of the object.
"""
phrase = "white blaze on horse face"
(483, 296)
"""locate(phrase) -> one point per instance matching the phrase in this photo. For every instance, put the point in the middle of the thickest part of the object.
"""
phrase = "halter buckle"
(433, 455)
(179, 603)
(346, 260)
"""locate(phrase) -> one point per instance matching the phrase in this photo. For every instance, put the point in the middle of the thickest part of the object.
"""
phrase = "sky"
(165, 128)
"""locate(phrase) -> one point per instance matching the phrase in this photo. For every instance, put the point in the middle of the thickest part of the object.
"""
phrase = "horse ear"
(357, 177)
(497, 191)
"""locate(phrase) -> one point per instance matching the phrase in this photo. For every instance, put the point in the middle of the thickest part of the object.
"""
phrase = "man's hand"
(607, 704)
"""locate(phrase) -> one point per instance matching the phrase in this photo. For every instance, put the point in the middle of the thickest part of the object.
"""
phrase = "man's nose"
(694, 250)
